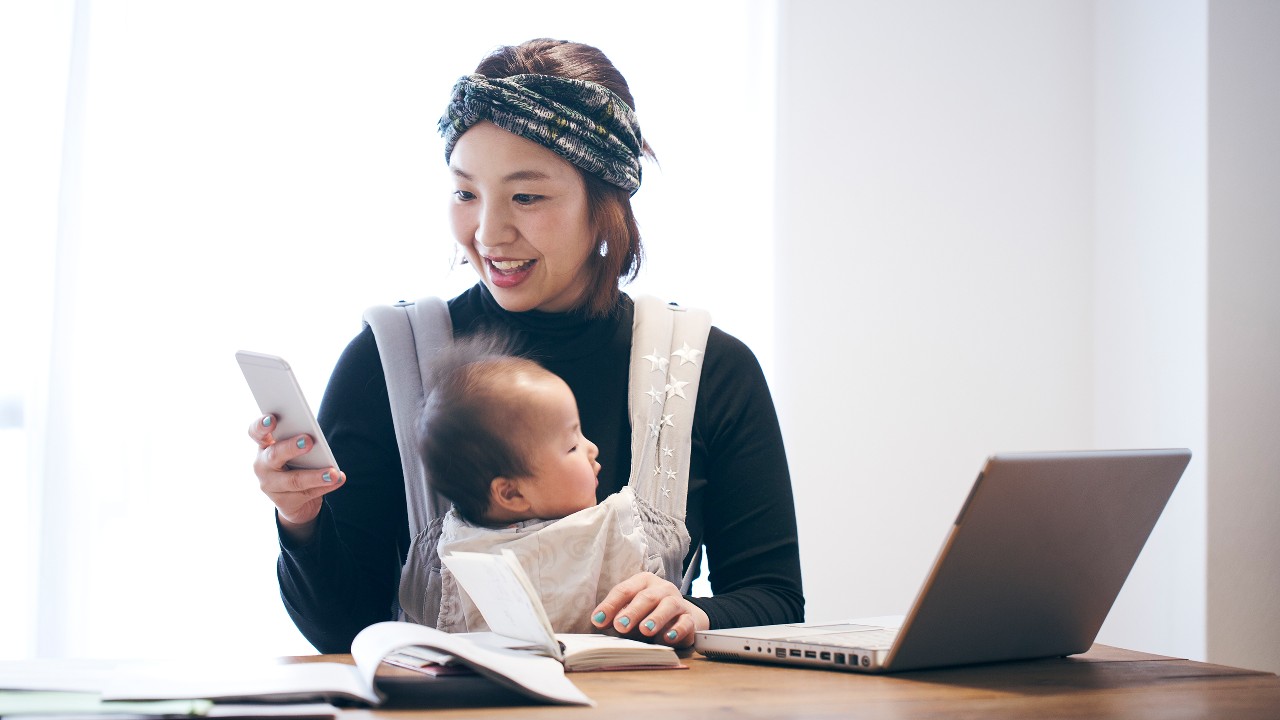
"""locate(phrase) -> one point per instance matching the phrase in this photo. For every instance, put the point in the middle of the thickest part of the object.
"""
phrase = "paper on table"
(55, 705)
(226, 681)
(75, 687)
(538, 676)
(42, 702)
(69, 675)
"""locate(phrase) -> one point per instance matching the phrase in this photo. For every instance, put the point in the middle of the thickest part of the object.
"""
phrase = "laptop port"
(795, 653)
(839, 658)
(824, 656)
(810, 654)
(780, 652)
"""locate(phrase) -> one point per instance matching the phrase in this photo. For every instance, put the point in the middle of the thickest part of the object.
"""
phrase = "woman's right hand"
(297, 494)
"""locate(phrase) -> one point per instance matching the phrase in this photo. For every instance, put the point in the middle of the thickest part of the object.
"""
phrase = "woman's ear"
(505, 498)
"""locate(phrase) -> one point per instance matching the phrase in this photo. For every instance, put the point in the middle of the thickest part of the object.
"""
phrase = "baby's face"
(564, 462)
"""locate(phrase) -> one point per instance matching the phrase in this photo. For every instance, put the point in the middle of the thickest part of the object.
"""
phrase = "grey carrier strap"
(662, 390)
(409, 336)
(667, 347)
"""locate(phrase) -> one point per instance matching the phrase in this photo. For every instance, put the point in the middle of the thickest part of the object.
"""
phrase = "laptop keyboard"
(880, 639)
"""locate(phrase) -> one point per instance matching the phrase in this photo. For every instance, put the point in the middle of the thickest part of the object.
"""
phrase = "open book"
(501, 590)
(532, 675)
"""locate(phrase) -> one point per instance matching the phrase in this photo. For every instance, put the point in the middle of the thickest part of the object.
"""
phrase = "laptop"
(1030, 569)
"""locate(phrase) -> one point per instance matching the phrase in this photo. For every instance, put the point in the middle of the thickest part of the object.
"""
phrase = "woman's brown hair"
(609, 206)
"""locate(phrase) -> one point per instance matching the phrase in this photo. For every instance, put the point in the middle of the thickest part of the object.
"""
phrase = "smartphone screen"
(278, 393)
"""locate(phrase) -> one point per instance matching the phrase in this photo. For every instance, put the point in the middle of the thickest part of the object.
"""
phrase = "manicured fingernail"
(598, 617)
(327, 478)
(266, 421)
(649, 624)
(302, 443)
(671, 634)
(624, 621)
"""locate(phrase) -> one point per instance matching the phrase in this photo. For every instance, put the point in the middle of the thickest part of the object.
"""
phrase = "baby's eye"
(573, 449)
(525, 198)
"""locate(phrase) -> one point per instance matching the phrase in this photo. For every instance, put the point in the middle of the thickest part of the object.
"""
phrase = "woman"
(543, 215)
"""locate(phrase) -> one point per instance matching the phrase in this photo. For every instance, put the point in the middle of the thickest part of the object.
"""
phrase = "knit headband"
(582, 121)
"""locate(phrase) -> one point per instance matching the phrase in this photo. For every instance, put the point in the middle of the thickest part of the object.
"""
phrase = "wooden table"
(1103, 683)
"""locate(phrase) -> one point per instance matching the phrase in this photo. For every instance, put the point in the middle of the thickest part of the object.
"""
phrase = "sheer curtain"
(35, 54)
(218, 176)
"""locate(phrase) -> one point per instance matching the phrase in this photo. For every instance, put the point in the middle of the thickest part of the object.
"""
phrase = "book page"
(597, 652)
(503, 594)
(536, 676)
(493, 640)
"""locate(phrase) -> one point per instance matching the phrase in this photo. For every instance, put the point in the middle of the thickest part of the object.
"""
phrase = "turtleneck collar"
(547, 335)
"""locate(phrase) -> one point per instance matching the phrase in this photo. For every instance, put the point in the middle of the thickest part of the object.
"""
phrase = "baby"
(501, 439)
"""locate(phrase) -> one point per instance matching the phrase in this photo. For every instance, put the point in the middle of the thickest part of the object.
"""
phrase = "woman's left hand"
(653, 607)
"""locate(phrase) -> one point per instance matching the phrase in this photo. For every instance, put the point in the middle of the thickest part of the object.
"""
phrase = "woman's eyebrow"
(527, 175)
(515, 176)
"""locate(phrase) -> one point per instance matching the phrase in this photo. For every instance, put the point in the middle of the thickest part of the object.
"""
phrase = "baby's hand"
(647, 605)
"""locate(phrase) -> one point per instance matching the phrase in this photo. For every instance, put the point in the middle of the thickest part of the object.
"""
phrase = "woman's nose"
(494, 227)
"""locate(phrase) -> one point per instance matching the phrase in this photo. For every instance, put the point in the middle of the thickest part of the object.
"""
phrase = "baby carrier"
(667, 345)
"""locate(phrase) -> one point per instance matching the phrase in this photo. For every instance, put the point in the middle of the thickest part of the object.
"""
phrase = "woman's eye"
(525, 198)
(463, 195)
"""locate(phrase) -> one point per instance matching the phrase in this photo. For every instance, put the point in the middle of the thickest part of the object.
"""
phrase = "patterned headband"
(583, 122)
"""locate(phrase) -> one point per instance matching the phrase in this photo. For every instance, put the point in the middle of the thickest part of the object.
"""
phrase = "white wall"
(1000, 208)
(1149, 290)
(1244, 333)
(934, 269)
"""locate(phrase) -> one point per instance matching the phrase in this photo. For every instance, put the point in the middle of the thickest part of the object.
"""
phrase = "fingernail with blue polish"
(266, 421)
(671, 634)
(650, 624)
(327, 478)
(598, 617)
(624, 621)
(302, 443)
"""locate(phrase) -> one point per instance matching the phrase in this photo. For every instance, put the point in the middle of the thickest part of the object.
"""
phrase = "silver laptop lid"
(1037, 556)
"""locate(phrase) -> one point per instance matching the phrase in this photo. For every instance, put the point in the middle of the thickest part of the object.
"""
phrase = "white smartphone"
(278, 393)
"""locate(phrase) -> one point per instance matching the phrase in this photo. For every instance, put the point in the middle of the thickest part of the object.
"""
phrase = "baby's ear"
(505, 493)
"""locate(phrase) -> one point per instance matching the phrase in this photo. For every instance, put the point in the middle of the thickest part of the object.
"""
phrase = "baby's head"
(501, 439)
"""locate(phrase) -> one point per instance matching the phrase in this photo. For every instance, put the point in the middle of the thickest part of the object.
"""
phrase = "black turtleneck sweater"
(740, 505)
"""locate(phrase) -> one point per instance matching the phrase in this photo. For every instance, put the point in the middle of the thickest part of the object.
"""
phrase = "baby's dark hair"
(471, 427)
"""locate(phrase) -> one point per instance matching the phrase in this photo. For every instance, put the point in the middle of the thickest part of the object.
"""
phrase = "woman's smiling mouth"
(506, 273)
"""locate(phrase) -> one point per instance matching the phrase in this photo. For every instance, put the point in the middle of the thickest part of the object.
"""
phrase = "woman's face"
(520, 213)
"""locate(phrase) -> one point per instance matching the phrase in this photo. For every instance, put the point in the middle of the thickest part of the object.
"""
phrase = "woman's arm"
(748, 520)
(346, 575)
